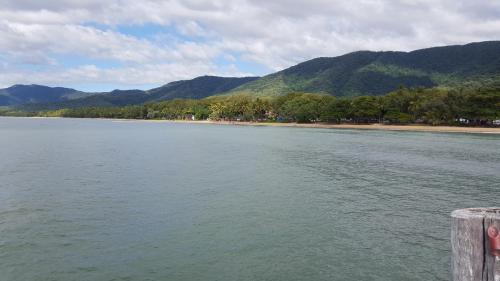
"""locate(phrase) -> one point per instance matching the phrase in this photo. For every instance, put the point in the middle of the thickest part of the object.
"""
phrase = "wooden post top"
(475, 244)
(470, 213)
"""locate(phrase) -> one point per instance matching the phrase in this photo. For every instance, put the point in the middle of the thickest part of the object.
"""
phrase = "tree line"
(435, 106)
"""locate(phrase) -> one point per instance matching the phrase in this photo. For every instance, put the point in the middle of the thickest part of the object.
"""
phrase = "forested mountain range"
(196, 88)
(359, 73)
(377, 73)
(23, 94)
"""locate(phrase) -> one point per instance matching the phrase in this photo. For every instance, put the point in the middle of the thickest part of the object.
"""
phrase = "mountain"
(23, 94)
(377, 73)
(358, 73)
(106, 99)
(196, 88)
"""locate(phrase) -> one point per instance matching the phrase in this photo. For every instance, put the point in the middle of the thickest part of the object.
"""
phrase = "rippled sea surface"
(108, 200)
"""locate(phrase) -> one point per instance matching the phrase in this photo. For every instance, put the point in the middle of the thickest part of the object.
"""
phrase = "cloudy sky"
(105, 44)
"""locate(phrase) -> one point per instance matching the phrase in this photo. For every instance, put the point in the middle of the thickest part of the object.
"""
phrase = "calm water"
(106, 200)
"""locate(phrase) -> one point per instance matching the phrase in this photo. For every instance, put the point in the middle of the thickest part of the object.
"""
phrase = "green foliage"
(36, 98)
(197, 88)
(21, 94)
(378, 73)
(434, 106)
(303, 108)
(336, 110)
(463, 68)
(366, 108)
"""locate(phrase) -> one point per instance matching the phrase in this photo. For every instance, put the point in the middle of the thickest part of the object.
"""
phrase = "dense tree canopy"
(432, 106)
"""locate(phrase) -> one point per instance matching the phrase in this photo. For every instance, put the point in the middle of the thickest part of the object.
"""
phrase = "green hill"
(473, 65)
(196, 88)
(377, 73)
(23, 94)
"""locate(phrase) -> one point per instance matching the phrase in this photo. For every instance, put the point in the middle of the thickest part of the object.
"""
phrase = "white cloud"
(275, 34)
(149, 74)
(20, 38)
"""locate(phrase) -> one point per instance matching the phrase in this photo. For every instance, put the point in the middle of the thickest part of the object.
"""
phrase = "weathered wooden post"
(475, 244)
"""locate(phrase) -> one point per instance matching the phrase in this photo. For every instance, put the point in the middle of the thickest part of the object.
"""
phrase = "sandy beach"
(416, 128)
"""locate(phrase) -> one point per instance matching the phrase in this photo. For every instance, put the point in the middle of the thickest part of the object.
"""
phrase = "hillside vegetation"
(23, 94)
(196, 88)
(431, 106)
(469, 67)
(377, 73)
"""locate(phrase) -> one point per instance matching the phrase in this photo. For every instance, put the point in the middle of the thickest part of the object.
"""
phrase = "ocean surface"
(124, 200)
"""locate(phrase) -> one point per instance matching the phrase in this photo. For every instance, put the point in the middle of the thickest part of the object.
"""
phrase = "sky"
(100, 45)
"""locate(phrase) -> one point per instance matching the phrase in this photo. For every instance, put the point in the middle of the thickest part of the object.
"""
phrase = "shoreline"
(409, 128)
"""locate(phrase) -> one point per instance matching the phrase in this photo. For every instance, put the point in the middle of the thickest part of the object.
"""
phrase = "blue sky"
(96, 45)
